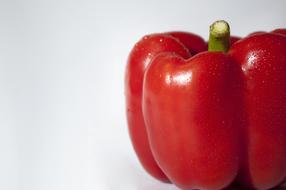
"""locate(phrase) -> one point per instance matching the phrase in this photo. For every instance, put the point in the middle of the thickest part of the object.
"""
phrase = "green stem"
(219, 39)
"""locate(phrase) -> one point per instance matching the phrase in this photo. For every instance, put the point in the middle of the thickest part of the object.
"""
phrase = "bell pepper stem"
(219, 38)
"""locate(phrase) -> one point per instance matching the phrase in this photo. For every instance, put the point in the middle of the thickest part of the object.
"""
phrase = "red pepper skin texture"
(211, 120)
(280, 31)
(263, 61)
(194, 43)
(141, 55)
(192, 110)
(234, 39)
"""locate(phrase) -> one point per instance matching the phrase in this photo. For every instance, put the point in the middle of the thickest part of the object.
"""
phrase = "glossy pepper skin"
(262, 59)
(190, 109)
(211, 119)
(140, 57)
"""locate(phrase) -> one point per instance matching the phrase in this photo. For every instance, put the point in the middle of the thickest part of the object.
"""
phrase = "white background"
(62, 116)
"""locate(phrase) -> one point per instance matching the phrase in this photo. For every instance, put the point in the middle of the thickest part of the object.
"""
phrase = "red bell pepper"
(213, 119)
